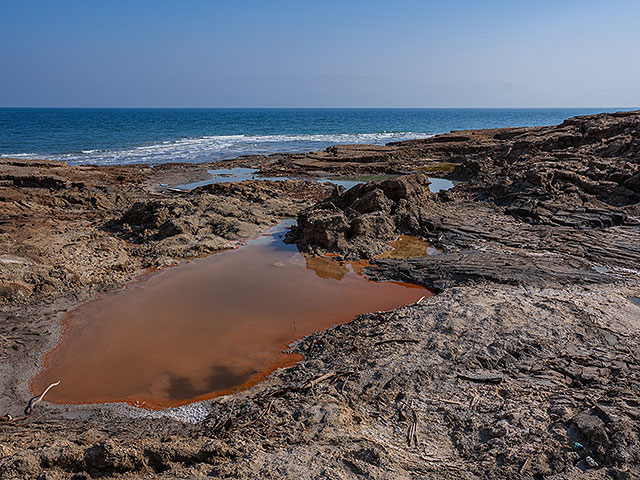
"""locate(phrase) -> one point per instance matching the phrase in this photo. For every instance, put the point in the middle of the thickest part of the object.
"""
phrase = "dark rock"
(593, 428)
(360, 222)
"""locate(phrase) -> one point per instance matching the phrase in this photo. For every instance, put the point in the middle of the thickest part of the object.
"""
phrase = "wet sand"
(208, 327)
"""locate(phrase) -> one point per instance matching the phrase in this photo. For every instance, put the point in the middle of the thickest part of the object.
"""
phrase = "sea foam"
(221, 147)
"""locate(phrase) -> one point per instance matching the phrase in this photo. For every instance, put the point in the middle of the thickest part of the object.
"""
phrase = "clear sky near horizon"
(277, 53)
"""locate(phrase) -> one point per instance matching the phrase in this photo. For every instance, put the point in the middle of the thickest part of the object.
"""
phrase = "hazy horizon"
(177, 107)
(284, 54)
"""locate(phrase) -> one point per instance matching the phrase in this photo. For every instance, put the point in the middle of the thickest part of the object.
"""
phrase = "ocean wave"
(220, 147)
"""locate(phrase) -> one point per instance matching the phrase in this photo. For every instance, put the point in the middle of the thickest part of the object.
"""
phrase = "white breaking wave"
(220, 147)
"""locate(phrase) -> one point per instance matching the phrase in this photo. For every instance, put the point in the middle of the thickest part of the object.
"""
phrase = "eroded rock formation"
(360, 222)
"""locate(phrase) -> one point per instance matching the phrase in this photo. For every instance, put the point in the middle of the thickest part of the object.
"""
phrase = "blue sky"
(320, 53)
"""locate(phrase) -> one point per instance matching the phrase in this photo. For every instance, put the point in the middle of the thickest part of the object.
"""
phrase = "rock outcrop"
(213, 217)
(360, 222)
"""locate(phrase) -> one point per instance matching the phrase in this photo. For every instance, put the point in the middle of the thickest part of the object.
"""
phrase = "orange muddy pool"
(208, 326)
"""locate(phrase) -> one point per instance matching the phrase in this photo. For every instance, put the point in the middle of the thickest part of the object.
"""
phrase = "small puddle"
(233, 175)
(634, 300)
(351, 181)
(226, 175)
(209, 326)
(408, 246)
(440, 184)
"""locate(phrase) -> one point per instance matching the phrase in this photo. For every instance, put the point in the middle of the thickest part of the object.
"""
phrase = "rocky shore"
(525, 365)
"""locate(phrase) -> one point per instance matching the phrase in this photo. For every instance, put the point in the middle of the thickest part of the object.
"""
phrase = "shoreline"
(517, 264)
(242, 131)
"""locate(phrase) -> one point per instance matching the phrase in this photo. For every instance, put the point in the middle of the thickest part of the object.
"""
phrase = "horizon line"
(322, 108)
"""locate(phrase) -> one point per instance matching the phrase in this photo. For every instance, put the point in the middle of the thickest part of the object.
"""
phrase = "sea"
(108, 136)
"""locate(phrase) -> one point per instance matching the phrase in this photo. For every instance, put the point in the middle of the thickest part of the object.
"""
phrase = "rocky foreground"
(525, 365)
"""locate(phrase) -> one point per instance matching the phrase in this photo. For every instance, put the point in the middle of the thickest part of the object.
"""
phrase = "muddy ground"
(525, 365)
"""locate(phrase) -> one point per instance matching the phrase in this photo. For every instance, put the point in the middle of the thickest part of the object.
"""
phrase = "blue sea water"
(120, 136)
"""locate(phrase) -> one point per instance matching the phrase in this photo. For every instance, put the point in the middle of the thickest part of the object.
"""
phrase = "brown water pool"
(207, 327)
